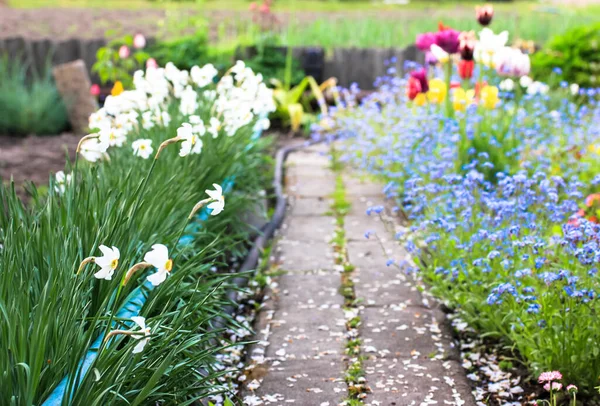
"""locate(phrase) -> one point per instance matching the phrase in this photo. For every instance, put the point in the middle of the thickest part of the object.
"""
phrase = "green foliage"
(270, 61)
(29, 106)
(111, 68)
(184, 52)
(53, 314)
(576, 53)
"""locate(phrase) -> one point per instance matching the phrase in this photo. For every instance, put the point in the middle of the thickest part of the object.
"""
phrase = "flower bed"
(496, 173)
(124, 228)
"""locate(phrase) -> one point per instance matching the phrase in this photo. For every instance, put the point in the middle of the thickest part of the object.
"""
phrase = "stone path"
(403, 351)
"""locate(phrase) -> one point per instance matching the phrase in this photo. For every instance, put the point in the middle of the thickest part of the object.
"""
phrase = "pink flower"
(253, 6)
(555, 386)
(139, 41)
(95, 90)
(572, 389)
(124, 52)
(424, 41)
(550, 376)
(151, 63)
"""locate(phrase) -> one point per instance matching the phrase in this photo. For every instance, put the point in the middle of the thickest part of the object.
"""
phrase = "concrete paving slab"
(357, 226)
(303, 256)
(309, 206)
(308, 229)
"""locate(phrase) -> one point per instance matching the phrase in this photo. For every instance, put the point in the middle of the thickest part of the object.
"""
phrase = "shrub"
(576, 53)
(29, 106)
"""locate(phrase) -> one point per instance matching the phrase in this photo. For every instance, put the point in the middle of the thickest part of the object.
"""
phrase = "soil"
(33, 158)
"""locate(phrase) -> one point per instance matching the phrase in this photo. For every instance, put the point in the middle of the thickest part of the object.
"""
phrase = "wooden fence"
(349, 65)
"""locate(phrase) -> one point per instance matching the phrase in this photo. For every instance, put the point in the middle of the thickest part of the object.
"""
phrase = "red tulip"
(413, 88)
(465, 69)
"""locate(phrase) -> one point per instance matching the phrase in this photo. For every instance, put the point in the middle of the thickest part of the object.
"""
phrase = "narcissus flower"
(203, 76)
(108, 262)
(191, 143)
(159, 258)
(437, 91)
(218, 204)
(142, 148)
(94, 146)
(61, 180)
(142, 335)
(489, 97)
(214, 125)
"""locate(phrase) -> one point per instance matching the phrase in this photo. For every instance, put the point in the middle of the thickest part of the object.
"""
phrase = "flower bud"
(484, 14)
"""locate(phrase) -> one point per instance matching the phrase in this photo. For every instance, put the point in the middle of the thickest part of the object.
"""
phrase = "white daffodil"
(507, 85)
(94, 148)
(159, 258)
(214, 127)
(197, 125)
(191, 143)
(441, 55)
(116, 137)
(218, 203)
(142, 335)
(142, 148)
(61, 180)
(107, 263)
(203, 76)
(262, 124)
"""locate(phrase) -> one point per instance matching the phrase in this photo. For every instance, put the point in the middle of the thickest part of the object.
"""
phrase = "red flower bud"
(413, 88)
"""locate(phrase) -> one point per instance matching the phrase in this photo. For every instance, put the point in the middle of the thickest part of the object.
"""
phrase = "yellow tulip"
(437, 91)
(117, 88)
(461, 99)
(420, 100)
(489, 97)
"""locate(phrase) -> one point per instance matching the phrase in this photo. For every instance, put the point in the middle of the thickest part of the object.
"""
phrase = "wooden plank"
(66, 51)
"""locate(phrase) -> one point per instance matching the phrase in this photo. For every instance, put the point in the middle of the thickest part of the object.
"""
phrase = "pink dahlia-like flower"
(572, 389)
(447, 39)
(425, 40)
(555, 386)
(550, 376)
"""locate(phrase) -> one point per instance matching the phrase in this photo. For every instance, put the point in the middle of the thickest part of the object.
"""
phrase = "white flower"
(488, 44)
(218, 203)
(538, 88)
(159, 258)
(203, 76)
(214, 127)
(142, 335)
(262, 124)
(61, 181)
(107, 263)
(142, 148)
(116, 137)
(197, 125)
(93, 149)
(574, 89)
(441, 55)
(507, 85)
(511, 62)
(191, 143)
(525, 81)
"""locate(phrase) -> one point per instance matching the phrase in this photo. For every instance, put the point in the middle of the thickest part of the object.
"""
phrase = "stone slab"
(303, 256)
(357, 226)
(308, 159)
(360, 187)
(308, 229)
(302, 383)
(319, 186)
(309, 206)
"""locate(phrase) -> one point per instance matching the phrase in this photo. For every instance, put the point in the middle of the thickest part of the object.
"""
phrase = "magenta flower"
(447, 39)
(421, 76)
(425, 40)
(550, 376)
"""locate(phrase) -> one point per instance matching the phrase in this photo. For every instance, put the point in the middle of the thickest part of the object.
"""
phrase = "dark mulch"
(33, 158)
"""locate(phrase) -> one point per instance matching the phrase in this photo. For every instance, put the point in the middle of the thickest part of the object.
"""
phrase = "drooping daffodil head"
(218, 200)
(158, 257)
(142, 335)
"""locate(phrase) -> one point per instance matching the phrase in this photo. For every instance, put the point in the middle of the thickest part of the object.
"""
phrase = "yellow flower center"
(114, 263)
(142, 147)
(169, 265)
(193, 140)
(112, 136)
